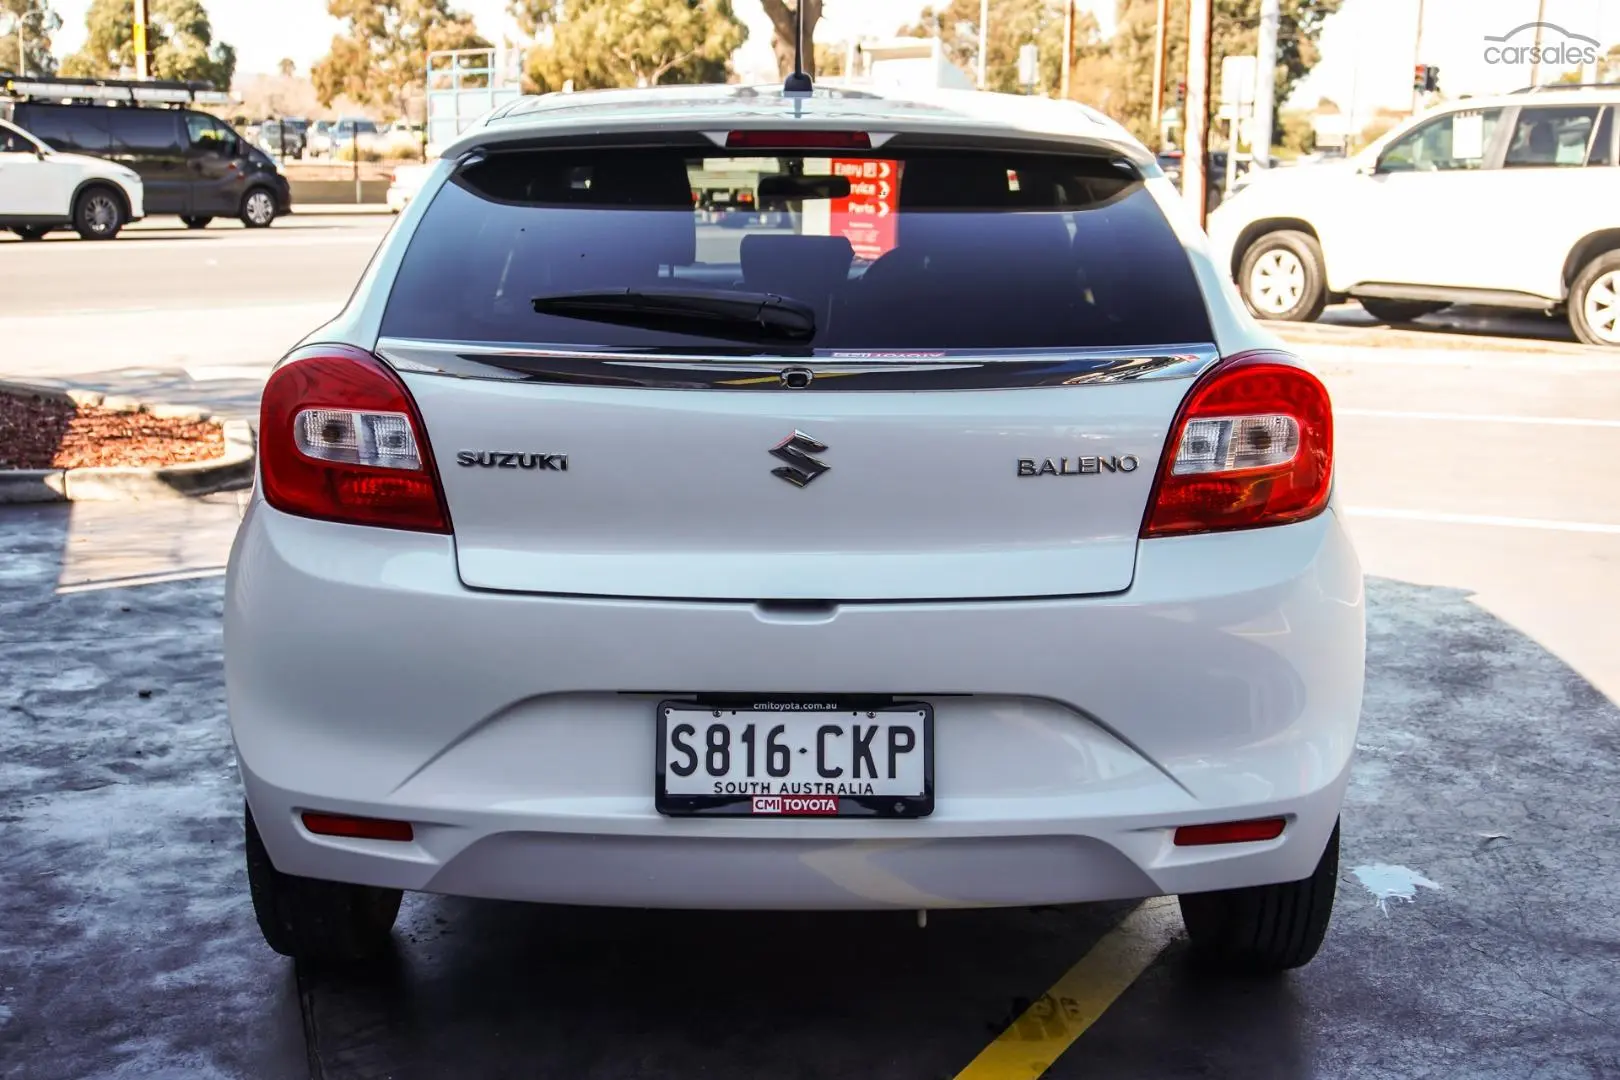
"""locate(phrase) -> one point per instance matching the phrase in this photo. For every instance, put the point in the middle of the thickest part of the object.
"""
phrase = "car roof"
(710, 108)
(1544, 95)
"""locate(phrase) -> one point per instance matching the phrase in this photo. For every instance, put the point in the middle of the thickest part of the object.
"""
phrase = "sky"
(1367, 48)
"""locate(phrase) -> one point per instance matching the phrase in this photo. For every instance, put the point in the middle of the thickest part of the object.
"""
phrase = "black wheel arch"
(1585, 250)
(1253, 231)
(100, 182)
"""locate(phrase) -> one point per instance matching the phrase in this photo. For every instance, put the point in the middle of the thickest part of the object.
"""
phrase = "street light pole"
(1265, 88)
(1535, 55)
(1195, 142)
(984, 42)
(139, 41)
(1068, 46)
(1160, 44)
(1417, 57)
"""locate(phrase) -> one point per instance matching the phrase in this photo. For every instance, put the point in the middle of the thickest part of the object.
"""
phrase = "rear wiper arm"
(722, 313)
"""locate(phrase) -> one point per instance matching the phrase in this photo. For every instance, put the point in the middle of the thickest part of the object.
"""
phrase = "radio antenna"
(798, 82)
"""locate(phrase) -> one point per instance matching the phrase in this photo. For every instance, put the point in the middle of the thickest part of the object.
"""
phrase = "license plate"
(795, 759)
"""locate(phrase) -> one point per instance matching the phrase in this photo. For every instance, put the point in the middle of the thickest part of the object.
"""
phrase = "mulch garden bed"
(48, 433)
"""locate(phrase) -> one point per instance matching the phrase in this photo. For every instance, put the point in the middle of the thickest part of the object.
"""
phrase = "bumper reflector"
(1230, 832)
(358, 827)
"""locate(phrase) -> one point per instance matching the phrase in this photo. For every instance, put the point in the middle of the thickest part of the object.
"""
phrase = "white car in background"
(1510, 201)
(43, 189)
(962, 544)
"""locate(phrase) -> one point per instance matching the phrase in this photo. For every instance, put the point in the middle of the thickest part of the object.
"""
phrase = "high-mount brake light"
(799, 140)
(1252, 445)
(340, 440)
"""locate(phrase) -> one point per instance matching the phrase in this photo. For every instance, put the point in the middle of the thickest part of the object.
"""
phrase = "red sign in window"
(866, 215)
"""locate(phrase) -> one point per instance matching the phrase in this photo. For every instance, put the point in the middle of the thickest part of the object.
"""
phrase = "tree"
(1013, 24)
(604, 43)
(178, 35)
(785, 33)
(382, 60)
(34, 22)
(286, 67)
(1236, 29)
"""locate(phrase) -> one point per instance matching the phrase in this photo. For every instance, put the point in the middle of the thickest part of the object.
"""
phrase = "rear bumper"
(516, 732)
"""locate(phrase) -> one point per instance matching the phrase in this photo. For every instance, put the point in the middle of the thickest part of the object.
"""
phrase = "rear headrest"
(768, 260)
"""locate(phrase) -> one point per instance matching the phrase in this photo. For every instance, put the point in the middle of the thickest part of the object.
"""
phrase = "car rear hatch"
(907, 375)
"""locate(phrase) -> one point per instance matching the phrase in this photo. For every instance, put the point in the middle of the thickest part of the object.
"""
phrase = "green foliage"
(382, 60)
(1295, 131)
(605, 43)
(178, 36)
(37, 22)
(1013, 24)
(1236, 30)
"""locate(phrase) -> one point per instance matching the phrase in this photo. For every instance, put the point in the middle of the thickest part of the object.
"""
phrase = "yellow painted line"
(1049, 1026)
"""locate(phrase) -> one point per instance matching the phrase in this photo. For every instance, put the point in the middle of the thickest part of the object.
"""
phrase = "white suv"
(42, 189)
(956, 541)
(1510, 201)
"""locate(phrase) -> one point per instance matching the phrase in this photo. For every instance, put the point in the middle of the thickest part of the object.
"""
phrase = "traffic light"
(1425, 77)
(1181, 93)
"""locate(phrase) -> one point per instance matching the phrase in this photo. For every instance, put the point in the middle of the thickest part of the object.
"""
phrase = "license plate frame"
(854, 806)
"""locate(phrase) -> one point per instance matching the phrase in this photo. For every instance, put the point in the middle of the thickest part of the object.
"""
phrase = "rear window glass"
(68, 128)
(919, 251)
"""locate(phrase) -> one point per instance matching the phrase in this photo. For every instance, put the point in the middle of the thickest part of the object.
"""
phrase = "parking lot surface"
(1477, 932)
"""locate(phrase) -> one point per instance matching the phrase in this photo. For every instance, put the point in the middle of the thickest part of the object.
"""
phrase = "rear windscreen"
(912, 251)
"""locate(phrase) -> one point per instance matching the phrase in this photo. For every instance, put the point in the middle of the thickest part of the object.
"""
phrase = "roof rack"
(1544, 87)
(131, 91)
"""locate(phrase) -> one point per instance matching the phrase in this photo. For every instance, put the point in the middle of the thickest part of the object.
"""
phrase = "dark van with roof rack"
(192, 164)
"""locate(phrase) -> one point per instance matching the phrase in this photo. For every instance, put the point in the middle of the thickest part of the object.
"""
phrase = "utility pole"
(1417, 56)
(1068, 46)
(141, 61)
(1160, 45)
(984, 43)
(1195, 141)
(1265, 87)
(1535, 56)
(22, 50)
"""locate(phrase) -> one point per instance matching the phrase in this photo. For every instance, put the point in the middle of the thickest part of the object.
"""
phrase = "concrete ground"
(1477, 932)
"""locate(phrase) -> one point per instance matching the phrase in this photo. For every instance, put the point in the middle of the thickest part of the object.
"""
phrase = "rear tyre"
(258, 209)
(1266, 928)
(1594, 301)
(192, 222)
(320, 921)
(1397, 311)
(31, 232)
(1281, 277)
(98, 213)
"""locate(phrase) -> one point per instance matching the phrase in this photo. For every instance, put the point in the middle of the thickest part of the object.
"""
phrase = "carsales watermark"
(1558, 47)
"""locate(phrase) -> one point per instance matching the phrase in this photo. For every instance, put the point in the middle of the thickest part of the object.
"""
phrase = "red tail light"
(340, 440)
(799, 140)
(1252, 445)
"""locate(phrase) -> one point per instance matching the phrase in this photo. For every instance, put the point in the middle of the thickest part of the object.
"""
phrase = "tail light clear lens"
(1252, 445)
(340, 440)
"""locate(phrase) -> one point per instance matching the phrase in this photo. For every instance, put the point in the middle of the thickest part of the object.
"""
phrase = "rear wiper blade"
(722, 313)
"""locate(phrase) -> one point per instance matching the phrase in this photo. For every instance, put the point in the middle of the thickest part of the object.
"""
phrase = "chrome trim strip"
(895, 372)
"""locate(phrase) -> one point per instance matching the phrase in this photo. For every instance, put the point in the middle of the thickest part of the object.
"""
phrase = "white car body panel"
(44, 187)
(1225, 684)
(445, 680)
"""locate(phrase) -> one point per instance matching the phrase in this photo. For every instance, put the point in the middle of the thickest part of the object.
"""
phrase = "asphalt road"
(1476, 478)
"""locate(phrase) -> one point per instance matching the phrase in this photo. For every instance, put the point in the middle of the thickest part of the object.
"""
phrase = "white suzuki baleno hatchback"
(935, 529)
